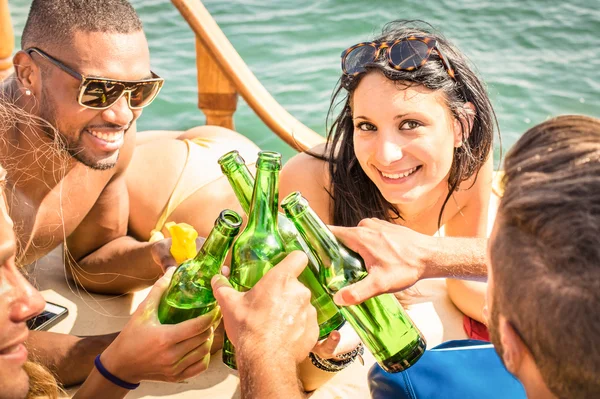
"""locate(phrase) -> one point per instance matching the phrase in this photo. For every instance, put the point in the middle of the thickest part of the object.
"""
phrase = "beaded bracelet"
(113, 378)
(333, 366)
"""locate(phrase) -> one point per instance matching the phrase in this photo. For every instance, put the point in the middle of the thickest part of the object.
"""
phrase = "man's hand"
(274, 320)
(395, 257)
(148, 350)
(161, 252)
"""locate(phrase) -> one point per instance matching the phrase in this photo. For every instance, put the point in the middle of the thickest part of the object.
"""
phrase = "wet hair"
(53, 22)
(545, 256)
(42, 383)
(354, 195)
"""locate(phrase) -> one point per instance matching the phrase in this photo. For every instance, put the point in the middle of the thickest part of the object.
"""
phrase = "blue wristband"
(112, 378)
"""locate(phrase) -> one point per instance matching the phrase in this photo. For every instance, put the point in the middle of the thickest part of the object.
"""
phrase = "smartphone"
(51, 315)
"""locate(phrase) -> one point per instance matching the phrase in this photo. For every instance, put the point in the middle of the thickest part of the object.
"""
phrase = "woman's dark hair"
(354, 195)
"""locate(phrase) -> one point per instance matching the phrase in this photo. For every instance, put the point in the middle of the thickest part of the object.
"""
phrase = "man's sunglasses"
(102, 93)
(403, 55)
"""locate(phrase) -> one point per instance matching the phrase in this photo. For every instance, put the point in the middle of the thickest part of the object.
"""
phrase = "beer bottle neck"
(242, 183)
(263, 211)
(220, 238)
(318, 237)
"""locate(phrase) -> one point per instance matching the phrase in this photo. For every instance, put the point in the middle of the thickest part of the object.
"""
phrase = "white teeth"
(10, 350)
(399, 175)
(110, 137)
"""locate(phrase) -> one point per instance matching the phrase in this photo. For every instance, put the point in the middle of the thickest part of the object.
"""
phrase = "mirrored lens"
(356, 60)
(101, 94)
(143, 94)
(409, 54)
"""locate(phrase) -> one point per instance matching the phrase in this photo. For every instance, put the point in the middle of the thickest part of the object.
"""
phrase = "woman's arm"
(149, 350)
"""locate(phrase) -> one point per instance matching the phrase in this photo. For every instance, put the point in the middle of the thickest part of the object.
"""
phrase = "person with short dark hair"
(80, 83)
(544, 274)
(544, 271)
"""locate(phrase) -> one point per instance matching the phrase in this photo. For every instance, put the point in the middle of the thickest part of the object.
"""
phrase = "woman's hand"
(337, 343)
(161, 252)
(149, 350)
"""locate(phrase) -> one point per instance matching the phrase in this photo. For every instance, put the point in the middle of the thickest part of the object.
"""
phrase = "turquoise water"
(539, 58)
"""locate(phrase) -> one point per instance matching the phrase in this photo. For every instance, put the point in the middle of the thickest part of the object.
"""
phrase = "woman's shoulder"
(308, 173)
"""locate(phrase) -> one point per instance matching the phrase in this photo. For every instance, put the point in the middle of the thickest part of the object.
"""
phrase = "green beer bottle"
(381, 323)
(259, 247)
(190, 294)
(242, 182)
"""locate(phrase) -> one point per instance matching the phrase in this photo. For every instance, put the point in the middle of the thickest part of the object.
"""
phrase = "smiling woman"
(411, 145)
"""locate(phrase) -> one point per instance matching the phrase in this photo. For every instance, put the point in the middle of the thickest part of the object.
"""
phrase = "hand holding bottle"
(337, 343)
(274, 319)
(148, 350)
(394, 256)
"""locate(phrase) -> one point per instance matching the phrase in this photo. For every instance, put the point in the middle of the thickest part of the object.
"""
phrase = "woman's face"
(18, 302)
(404, 139)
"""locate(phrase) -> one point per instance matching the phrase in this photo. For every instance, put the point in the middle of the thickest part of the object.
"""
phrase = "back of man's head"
(52, 22)
(545, 254)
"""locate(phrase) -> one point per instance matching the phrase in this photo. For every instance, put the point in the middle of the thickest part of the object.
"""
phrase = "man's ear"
(26, 72)
(514, 349)
(464, 123)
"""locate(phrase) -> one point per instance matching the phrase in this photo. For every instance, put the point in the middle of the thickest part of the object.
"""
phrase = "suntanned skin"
(87, 207)
(52, 197)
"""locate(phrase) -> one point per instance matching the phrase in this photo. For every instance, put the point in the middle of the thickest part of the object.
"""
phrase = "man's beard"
(67, 143)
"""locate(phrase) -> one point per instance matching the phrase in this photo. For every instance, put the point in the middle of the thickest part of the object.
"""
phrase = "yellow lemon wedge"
(183, 244)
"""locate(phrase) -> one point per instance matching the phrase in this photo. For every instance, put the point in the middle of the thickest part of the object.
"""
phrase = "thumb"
(161, 285)
(223, 292)
(152, 301)
(357, 292)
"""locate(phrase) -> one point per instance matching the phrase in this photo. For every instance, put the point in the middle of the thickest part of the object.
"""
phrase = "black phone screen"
(51, 315)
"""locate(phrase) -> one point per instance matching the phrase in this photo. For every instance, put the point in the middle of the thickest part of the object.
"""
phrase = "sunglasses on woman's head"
(102, 93)
(406, 54)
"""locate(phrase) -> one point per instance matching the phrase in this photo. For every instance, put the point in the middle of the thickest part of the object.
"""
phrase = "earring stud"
(27, 92)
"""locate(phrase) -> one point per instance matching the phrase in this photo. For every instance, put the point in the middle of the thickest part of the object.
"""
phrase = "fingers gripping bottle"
(259, 247)
(190, 294)
(242, 182)
(380, 322)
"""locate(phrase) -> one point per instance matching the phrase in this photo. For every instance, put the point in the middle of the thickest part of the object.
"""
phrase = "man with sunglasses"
(543, 278)
(81, 81)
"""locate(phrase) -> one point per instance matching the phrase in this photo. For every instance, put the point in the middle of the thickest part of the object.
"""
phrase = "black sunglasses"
(102, 93)
(406, 54)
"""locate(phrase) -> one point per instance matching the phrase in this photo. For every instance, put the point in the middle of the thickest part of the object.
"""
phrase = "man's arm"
(398, 257)
(104, 258)
(273, 327)
(267, 375)
(70, 358)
